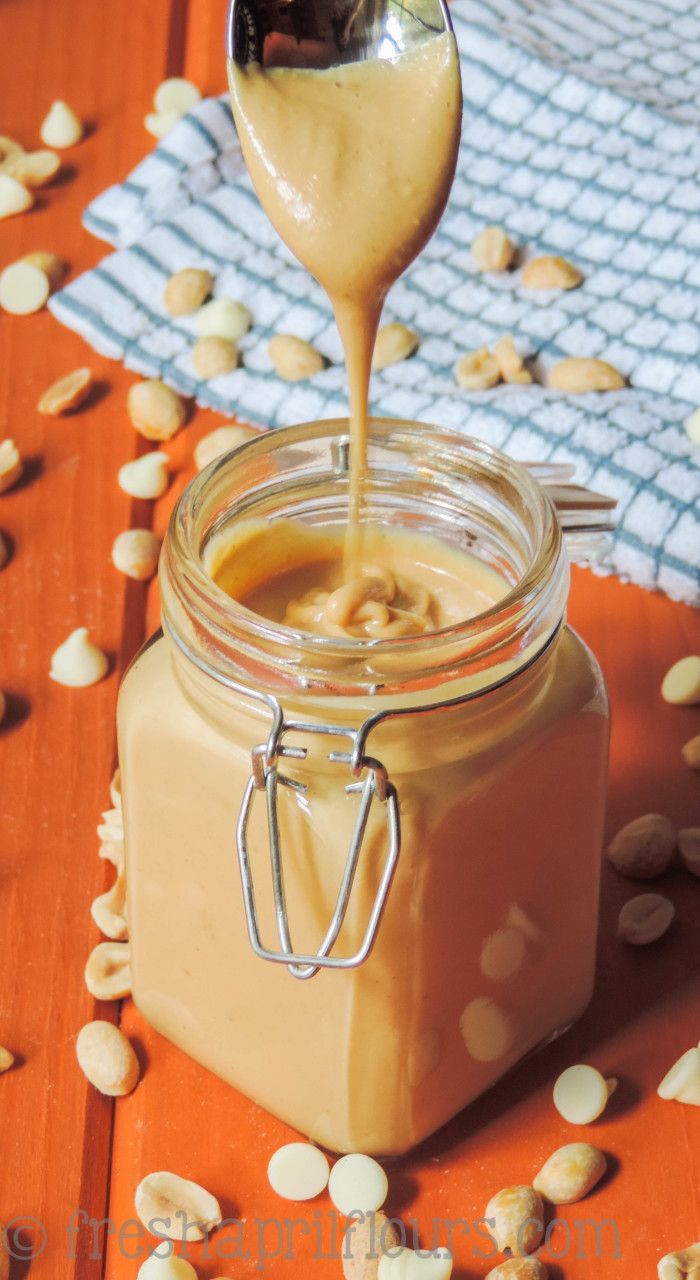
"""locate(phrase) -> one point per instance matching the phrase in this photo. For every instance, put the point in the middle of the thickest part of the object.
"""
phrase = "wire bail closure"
(371, 784)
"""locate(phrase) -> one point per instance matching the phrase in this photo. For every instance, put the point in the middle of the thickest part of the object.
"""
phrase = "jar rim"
(229, 630)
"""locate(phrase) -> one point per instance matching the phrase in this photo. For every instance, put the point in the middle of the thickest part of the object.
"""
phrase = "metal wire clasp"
(370, 783)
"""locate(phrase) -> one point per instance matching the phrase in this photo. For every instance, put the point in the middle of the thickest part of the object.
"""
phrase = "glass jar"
(363, 876)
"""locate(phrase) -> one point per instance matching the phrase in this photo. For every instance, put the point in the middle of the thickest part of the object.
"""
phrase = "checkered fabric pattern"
(580, 138)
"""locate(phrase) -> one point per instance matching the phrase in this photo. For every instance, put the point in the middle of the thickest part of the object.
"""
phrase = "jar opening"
(460, 491)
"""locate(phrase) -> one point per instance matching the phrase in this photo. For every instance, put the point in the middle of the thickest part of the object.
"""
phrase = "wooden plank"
(56, 748)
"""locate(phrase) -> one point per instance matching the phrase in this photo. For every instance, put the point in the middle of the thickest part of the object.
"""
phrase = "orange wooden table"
(64, 1148)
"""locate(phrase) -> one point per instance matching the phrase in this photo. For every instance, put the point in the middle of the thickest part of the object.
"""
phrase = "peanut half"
(68, 393)
(551, 272)
(107, 1059)
(34, 169)
(395, 342)
(293, 358)
(510, 361)
(213, 356)
(186, 290)
(581, 374)
(171, 1206)
(682, 1082)
(10, 464)
(146, 477)
(644, 847)
(6, 1059)
(477, 370)
(492, 249)
(9, 147)
(108, 971)
(682, 1263)
(689, 849)
(645, 919)
(515, 1217)
(366, 1240)
(221, 440)
(24, 289)
(155, 410)
(519, 1269)
(570, 1173)
(681, 684)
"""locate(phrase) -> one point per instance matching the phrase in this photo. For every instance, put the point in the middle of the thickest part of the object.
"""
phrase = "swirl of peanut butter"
(374, 605)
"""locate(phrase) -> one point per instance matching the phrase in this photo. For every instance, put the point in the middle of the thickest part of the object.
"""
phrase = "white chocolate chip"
(570, 1173)
(108, 911)
(519, 1269)
(223, 318)
(477, 370)
(644, 847)
(581, 374)
(186, 290)
(166, 1268)
(6, 1059)
(486, 1029)
(24, 289)
(581, 1094)
(10, 464)
(78, 663)
(160, 125)
(515, 1217)
(357, 1184)
(68, 393)
(220, 441)
(405, 1264)
(213, 356)
(645, 919)
(52, 266)
(298, 1171)
(510, 362)
(681, 684)
(155, 410)
(294, 359)
(33, 169)
(108, 971)
(14, 196)
(395, 342)
(107, 1059)
(502, 953)
(176, 1208)
(689, 849)
(691, 753)
(135, 552)
(364, 1243)
(551, 272)
(492, 249)
(61, 127)
(681, 1264)
(176, 94)
(682, 1082)
(145, 477)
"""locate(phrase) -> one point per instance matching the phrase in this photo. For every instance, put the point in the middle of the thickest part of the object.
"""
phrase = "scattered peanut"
(51, 265)
(107, 1059)
(176, 94)
(405, 1264)
(160, 125)
(515, 1218)
(357, 1184)
(681, 684)
(395, 342)
(492, 249)
(689, 849)
(519, 1269)
(166, 1268)
(24, 288)
(9, 148)
(171, 1206)
(486, 1029)
(364, 1243)
(6, 1059)
(551, 272)
(298, 1171)
(692, 427)
(581, 1094)
(108, 971)
(580, 374)
(691, 753)
(221, 440)
(66, 394)
(145, 477)
(682, 1082)
(477, 370)
(510, 362)
(108, 911)
(135, 552)
(61, 127)
(78, 663)
(10, 464)
(685, 1262)
(223, 318)
(570, 1173)
(14, 196)
(645, 919)
(644, 848)
(33, 169)
(155, 410)
(186, 290)
(293, 358)
(212, 357)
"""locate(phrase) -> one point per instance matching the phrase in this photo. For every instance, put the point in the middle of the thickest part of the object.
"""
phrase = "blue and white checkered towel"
(581, 138)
